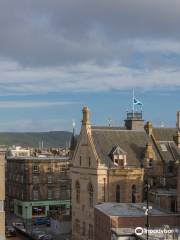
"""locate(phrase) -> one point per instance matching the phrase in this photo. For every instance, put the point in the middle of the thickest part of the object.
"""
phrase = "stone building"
(161, 165)
(107, 166)
(115, 164)
(38, 185)
(2, 196)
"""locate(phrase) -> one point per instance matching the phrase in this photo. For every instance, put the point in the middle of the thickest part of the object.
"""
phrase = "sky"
(58, 56)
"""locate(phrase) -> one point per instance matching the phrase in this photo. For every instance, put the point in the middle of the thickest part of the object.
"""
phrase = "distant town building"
(2, 196)
(17, 151)
(38, 185)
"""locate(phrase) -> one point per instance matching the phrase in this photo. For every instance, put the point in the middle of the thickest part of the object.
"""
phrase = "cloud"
(48, 33)
(82, 77)
(32, 104)
(94, 45)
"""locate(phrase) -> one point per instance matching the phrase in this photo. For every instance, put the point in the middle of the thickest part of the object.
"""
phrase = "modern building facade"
(2, 196)
(38, 185)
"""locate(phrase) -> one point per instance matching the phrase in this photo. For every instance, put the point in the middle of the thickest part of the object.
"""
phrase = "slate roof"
(117, 151)
(166, 136)
(131, 141)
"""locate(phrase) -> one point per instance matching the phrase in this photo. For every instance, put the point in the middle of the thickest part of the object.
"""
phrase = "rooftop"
(154, 233)
(41, 157)
(127, 209)
(164, 191)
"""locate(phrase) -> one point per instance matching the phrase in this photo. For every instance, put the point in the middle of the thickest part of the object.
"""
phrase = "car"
(37, 234)
(10, 231)
(41, 221)
(20, 226)
(46, 237)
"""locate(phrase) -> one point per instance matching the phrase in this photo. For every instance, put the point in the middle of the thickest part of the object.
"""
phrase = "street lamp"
(26, 216)
(147, 208)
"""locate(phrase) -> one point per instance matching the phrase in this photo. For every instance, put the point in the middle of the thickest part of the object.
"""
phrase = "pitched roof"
(117, 151)
(133, 142)
(167, 147)
(164, 134)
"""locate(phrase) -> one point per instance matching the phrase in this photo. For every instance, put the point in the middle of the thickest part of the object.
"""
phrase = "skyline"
(52, 62)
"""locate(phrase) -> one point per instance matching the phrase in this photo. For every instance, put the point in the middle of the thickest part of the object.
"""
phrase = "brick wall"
(104, 223)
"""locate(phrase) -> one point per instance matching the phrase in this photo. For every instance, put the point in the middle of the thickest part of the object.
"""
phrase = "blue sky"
(57, 56)
(113, 104)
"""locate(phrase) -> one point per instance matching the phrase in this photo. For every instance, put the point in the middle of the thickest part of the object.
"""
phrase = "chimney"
(149, 128)
(178, 120)
(86, 116)
(134, 121)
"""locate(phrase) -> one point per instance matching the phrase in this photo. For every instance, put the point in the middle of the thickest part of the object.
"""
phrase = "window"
(89, 159)
(77, 192)
(56, 194)
(50, 179)
(163, 147)
(84, 229)
(49, 194)
(133, 193)
(1, 206)
(118, 156)
(35, 169)
(22, 179)
(150, 162)
(77, 226)
(90, 233)
(35, 195)
(63, 191)
(22, 195)
(35, 179)
(118, 194)
(19, 209)
(91, 195)
(49, 168)
(170, 168)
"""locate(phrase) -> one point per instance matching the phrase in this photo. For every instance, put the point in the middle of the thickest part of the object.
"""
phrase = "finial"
(86, 116)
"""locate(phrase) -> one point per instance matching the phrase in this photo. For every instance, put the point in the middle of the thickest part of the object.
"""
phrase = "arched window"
(77, 192)
(91, 195)
(133, 193)
(77, 226)
(118, 193)
(84, 229)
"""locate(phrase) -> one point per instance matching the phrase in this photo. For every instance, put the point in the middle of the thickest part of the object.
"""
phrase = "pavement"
(10, 218)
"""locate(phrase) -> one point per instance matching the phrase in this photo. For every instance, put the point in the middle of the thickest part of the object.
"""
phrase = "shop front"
(33, 209)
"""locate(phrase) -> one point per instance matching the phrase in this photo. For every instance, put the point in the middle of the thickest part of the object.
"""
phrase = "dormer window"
(118, 156)
(163, 147)
(149, 162)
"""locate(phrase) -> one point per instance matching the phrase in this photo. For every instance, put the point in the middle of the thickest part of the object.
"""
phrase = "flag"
(137, 102)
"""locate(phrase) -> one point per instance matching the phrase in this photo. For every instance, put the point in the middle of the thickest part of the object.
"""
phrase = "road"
(18, 237)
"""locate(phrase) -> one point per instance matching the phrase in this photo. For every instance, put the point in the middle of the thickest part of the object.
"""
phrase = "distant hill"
(32, 139)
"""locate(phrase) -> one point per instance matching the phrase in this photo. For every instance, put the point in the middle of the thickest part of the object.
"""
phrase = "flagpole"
(133, 102)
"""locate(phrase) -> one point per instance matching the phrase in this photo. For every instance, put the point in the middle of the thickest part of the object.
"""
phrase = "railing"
(134, 115)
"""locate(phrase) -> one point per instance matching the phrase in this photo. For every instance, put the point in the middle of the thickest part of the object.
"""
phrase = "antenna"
(162, 125)
(73, 125)
(109, 121)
